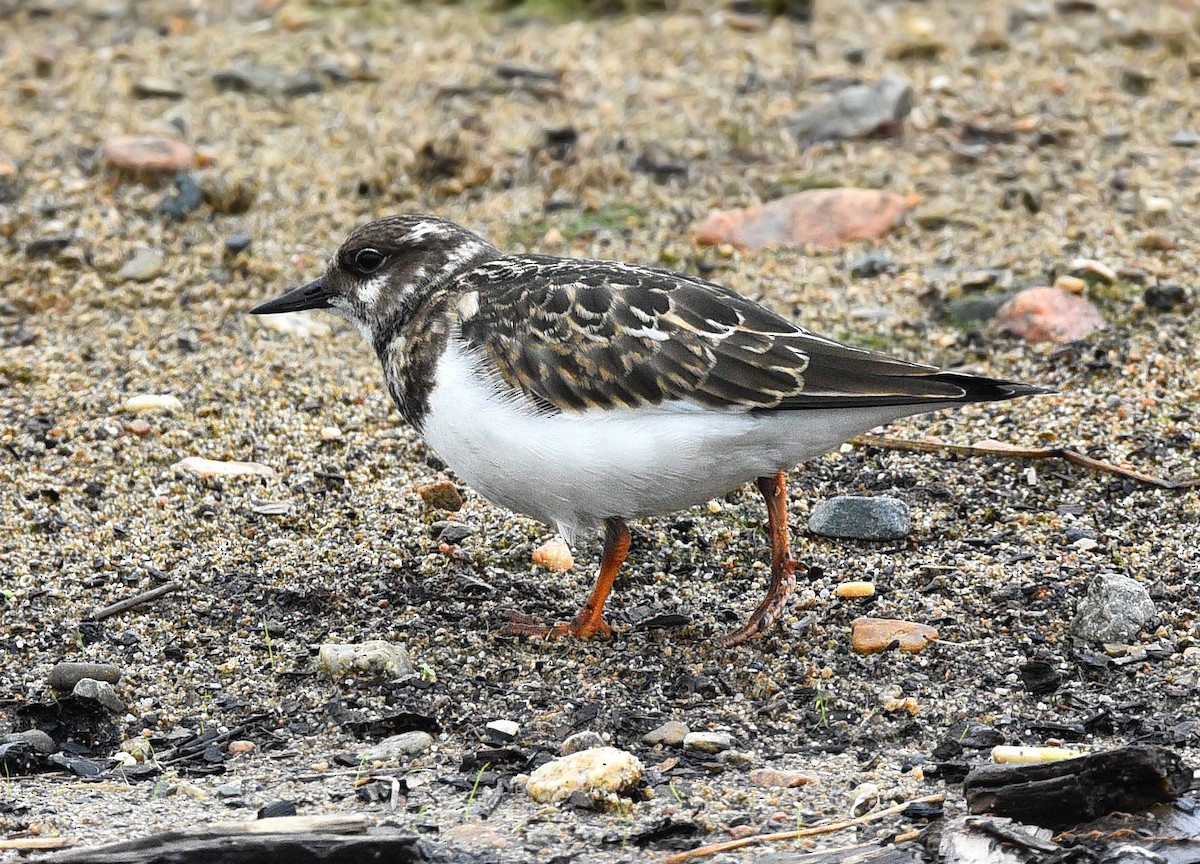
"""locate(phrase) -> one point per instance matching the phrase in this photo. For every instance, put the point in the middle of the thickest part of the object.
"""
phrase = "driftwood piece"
(1063, 793)
(294, 839)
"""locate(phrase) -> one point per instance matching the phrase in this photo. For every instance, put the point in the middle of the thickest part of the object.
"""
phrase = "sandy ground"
(1077, 110)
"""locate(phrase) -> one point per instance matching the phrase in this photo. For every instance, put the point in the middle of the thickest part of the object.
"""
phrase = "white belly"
(573, 470)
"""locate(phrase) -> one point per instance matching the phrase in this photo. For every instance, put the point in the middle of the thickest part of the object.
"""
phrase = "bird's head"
(384, 269)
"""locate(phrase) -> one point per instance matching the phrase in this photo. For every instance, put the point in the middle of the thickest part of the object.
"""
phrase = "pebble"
(601, 768)
(1136, 82)
(232, 789)
(145, 403)
(670, 734)
(872, 264)
(585, 740)
(820, 218)
(246, 78)
(35, 738)
(451, 532)
(235, 244)
(555, 555)
(301, 324)
(64, 676)
(708, 742)
(1071, 284)
(855, 590)
(1093, 270)
(1158, 204)
(146, 154)
(856, 517)
(99, 691)
(330, 433)
(442, 495)
(776, 778)
(1046, 314)
(241, 747)
(1115, 609)
(373, 657)
(872, 635)
(503, 730)
(186, 199)
(142, 266)
(855, 112)
(1185, 139)
(157, 88)
(1164, 298)
(397, 747)
(215, 468)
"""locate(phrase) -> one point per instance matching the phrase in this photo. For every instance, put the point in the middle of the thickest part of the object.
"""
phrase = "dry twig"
(996, 448)
(715, 848)
(136, 600)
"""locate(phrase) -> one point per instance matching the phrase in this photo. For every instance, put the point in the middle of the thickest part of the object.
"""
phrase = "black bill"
(314, 295)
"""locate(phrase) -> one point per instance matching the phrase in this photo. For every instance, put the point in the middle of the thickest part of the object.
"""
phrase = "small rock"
(373, 657)
(708, 742)
(185, 200)
(142, 266)
(1114, 610)
(1185, 139)
(1085, 544)
(157, 88)
(1164, 298)
(241, 747)
(856, 517)
(670, 734)
(330, 433)
(145, 403)
(35, 738)
(64, 676)
(872, 635)
(1071, 284)
(872, 264)
(246, 78)
(236, 244)
(99, 691)
(146, 154)
(821, 218)
(601, 768)
(397, 747)
(1136, 82)
(503, 731)
(229, 194)
(1093, 271)
(304, 84)
(855, 112)
(451, 532)
(1048, 315)
(855, 590)
(775, 778)
(554, 555)
(214, 468)
(442, 495)
(585, 740)
(232, 789)
(139, 427)
(919, 39)
(1158, 204)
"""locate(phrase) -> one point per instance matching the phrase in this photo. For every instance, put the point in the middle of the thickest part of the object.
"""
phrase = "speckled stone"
(857, 517)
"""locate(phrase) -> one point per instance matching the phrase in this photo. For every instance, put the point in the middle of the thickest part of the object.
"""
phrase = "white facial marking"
(368, 292)
(468, 305)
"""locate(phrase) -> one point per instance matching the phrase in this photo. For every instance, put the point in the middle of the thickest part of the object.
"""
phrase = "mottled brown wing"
(574, 335)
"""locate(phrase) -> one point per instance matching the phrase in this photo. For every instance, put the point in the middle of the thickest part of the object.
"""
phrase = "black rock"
(186, 200)
(1164, 298)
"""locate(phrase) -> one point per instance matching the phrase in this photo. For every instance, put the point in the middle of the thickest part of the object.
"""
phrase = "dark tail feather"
(980, 389)
(934, 390)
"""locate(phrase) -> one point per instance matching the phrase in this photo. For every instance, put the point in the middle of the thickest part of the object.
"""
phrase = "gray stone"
(708, 742)
(854, 112)
(1115, 609)
(855, 517)
(64, 676)
(35, 738)
(373, 657)
(99, 691)
(670, 734)
(585, 740)
(398, 746)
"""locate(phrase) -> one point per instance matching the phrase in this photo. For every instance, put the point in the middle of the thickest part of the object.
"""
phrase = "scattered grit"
(1038, 135)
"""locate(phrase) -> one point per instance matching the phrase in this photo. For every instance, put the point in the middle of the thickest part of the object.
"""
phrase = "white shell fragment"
(147, 402)
(214, 468)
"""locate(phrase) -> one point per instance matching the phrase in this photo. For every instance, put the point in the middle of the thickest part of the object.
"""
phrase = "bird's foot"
(583, 627)
(783, 584)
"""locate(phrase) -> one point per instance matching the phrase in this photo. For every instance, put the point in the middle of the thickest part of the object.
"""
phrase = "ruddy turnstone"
(588, 393)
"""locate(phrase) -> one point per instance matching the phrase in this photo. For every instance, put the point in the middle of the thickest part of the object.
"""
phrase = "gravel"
(1026, 154)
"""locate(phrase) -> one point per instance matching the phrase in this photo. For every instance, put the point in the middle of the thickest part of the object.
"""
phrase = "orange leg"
(588, 621)
(783, 568)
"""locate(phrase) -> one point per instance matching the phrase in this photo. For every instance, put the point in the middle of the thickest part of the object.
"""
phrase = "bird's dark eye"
(366, 261)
